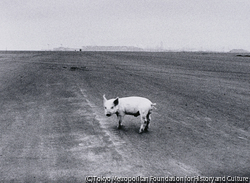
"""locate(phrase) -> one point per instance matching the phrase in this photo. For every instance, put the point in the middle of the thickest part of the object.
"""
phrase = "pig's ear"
(116, 101)
(104, 98)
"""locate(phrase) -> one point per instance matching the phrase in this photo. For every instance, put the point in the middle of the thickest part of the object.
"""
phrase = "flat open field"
(53, 127)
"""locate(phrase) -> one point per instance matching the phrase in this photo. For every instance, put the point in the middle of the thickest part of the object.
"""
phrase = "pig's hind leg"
(144, 121)
(148, 121)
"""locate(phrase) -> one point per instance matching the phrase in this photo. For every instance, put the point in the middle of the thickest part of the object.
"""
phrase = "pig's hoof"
(119, 126)
(140, 131)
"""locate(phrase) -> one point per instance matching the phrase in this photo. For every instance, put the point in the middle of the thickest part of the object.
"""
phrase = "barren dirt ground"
(53, 127)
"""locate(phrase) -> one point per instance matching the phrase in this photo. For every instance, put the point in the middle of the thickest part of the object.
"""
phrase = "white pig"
(129, 106)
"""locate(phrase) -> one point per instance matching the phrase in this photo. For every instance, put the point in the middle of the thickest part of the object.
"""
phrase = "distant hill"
(100, 48)
(64, 49)
(238, 51)
(111, 48)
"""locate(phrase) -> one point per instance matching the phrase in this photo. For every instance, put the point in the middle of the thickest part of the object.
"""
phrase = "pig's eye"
(105, 107)
(112, 107)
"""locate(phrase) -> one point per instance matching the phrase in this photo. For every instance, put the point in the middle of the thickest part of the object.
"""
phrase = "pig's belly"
(134, 113)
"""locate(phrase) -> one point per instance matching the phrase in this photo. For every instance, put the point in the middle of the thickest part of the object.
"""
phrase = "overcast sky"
(218, 25)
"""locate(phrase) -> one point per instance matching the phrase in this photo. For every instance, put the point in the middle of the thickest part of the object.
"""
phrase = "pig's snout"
(108, 114)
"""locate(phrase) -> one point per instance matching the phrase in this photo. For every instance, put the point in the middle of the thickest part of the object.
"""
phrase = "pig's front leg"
(120, 118)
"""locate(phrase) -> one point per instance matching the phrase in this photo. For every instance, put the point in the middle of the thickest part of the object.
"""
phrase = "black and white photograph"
(125, 91)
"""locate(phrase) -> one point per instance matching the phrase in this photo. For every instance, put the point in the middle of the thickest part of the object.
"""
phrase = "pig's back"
(135, 101)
